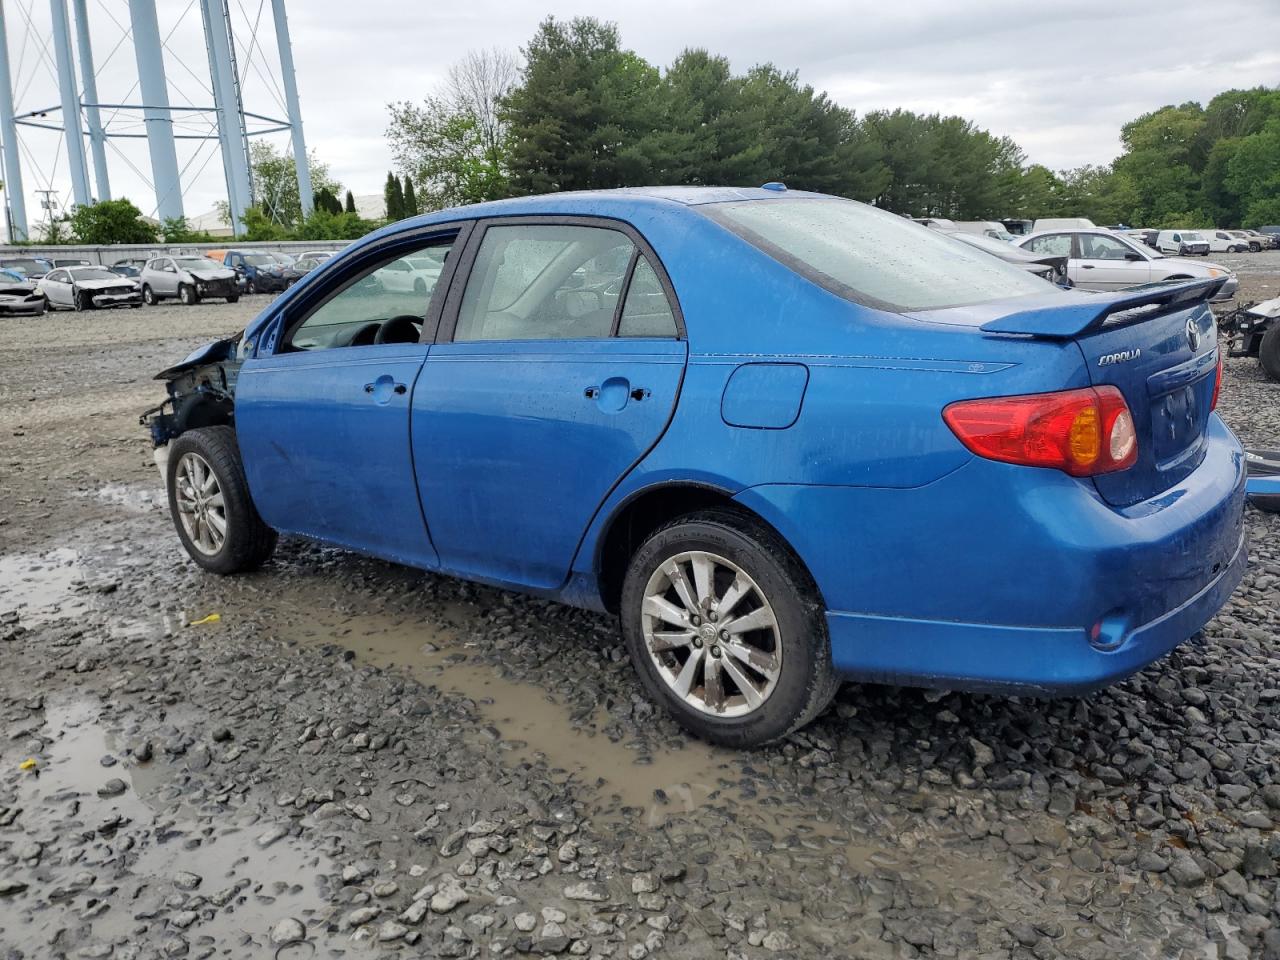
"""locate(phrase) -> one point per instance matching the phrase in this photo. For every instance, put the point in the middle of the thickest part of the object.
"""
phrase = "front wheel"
(726, 629)
(187, 294)
(234, 299)
(149, 295)
(210, 504)
(1269, 352)
(81, 301)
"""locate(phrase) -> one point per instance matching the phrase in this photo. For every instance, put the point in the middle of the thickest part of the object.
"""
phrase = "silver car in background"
(84, 288)
(190, 279)
(1098, 259)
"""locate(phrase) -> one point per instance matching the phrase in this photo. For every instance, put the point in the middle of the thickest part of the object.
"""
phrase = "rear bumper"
(996, 577)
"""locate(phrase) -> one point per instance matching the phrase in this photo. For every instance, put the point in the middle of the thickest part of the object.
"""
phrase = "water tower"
(64, 47)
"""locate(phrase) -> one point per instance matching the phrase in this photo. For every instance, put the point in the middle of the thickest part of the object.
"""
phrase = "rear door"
(57, 288)
(1056, 245)
(323, 419)
(559, 367)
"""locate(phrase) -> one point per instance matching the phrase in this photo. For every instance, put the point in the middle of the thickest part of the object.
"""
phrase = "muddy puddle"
(531, 724)
(38, 588)
(115, 855)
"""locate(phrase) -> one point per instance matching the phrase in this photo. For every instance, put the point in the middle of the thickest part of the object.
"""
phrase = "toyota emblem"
(1193, 335)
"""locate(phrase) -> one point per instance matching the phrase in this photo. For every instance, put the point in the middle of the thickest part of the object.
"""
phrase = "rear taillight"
(1217, 384)
(1081, 432)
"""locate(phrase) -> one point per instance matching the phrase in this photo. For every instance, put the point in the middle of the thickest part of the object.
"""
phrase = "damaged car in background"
(1254, 331)
(19, 296)
(190, 279)
(88, 288)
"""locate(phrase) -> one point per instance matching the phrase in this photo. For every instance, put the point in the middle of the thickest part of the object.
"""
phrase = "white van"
(1182, 243)
(1224, 241)
(1063, 223)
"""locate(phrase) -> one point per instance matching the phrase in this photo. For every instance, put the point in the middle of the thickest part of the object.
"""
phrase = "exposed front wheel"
(210, 504)
(726, 629)
(1269, 352)
(148, 295)
(187, 294)
(82, 301)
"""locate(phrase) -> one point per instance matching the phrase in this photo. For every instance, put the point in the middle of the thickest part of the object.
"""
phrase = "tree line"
(580, 111)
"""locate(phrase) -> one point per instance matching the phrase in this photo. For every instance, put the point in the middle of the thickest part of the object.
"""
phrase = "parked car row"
(30, 285)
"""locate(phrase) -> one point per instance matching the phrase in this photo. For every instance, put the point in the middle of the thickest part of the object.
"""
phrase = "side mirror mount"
(1134, 255)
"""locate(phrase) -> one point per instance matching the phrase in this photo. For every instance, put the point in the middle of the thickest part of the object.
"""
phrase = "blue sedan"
(786, 438)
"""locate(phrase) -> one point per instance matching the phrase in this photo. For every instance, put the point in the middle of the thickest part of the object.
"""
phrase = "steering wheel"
(403, 328)
(365, 336)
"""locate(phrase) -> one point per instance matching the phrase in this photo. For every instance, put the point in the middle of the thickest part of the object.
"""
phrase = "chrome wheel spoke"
(758, 619)
(218, 522)
(759, 661)
(217, 501)
(200, 504)
(666, 611)
(703, 578)
(713, 685)
(684, 680)
(681, 584)
(743, 683)
(737, 590)
(670, 640)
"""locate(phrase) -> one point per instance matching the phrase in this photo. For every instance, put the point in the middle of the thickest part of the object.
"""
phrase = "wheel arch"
(647, 509)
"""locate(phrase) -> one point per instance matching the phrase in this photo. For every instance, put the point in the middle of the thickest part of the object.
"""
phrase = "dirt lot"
(358, 759)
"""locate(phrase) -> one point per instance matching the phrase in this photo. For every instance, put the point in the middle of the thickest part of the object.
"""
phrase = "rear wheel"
(1269, 352)
(187, 294)
(210, 504)
(726, 629)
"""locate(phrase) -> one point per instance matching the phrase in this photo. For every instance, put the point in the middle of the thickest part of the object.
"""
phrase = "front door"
(57, 288)
(561, 371)
(323, 422)
(1107, 263)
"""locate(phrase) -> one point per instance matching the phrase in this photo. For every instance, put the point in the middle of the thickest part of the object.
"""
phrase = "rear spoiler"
(1071, 320)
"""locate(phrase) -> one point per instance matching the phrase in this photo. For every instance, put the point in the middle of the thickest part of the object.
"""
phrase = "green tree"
(324, 224)
(583, 115)
(275, 182)
(325, 199)
(410, 200)
(393, 197)
(349, 206)
(111, 221)
(178, 230)
(259, 226)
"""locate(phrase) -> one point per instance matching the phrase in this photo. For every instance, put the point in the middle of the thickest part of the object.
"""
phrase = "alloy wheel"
(201, 506)
(711, 634)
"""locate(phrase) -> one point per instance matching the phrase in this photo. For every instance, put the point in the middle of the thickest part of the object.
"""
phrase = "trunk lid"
(1156, 344)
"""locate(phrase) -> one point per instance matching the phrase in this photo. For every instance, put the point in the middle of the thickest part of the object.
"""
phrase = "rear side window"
(1054, 245)
(646, 312)
(544, 282)
(872, 257)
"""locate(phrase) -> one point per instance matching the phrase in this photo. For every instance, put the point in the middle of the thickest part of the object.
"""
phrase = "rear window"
(872, 257)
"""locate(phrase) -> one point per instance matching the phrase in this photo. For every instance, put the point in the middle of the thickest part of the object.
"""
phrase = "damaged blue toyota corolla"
(787, 438)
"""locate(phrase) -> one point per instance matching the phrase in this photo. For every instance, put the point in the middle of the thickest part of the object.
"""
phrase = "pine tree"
(350, 205)
(393, 196)
(410, 200)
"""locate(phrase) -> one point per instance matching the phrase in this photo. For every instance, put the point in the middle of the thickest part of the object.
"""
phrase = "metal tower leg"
(295, 112)
(89, 86)
(230, 130)
(15, 199)
(155, 98)
(70, 103)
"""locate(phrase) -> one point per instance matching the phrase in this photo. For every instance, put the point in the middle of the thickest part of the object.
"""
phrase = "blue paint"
(506, 461)
(764, 395)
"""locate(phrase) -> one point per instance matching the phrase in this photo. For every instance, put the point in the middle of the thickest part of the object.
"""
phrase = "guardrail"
(107, 255)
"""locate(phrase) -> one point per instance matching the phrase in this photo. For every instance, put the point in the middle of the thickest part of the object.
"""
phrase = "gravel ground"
(357, 759)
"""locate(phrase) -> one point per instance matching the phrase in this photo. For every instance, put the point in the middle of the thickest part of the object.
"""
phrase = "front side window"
(58, 276)
(385, 304)
(544, 282)
(1094, 246)
(1054, 245)
(870, 256)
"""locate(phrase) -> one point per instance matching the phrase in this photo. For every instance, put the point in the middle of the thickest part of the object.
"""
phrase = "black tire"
(1269, 352)
(234, 299)
(806, 681)
(81, 301)
(187, 294)
(250, 287)
(249, 542)
(149, 296)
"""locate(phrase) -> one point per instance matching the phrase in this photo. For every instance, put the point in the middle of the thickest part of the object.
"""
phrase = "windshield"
(872, 257)
(1192, 236)
(197, 263)
(11, 275)
(258, 259)
(92, 273)
(27, 266)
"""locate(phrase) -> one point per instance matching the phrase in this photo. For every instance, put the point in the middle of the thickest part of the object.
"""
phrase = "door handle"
(591, 392)
(368, 388)
(1086, 266)
(400, 388)
(639, 393)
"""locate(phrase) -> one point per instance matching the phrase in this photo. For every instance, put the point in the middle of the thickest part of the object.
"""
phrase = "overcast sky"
(1060, 79)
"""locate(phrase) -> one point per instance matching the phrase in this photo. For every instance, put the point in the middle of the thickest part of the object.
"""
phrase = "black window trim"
(385, 251)
(448, 320)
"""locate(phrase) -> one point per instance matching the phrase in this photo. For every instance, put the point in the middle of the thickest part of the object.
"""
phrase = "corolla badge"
(1193, 334)
(1121, 356)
